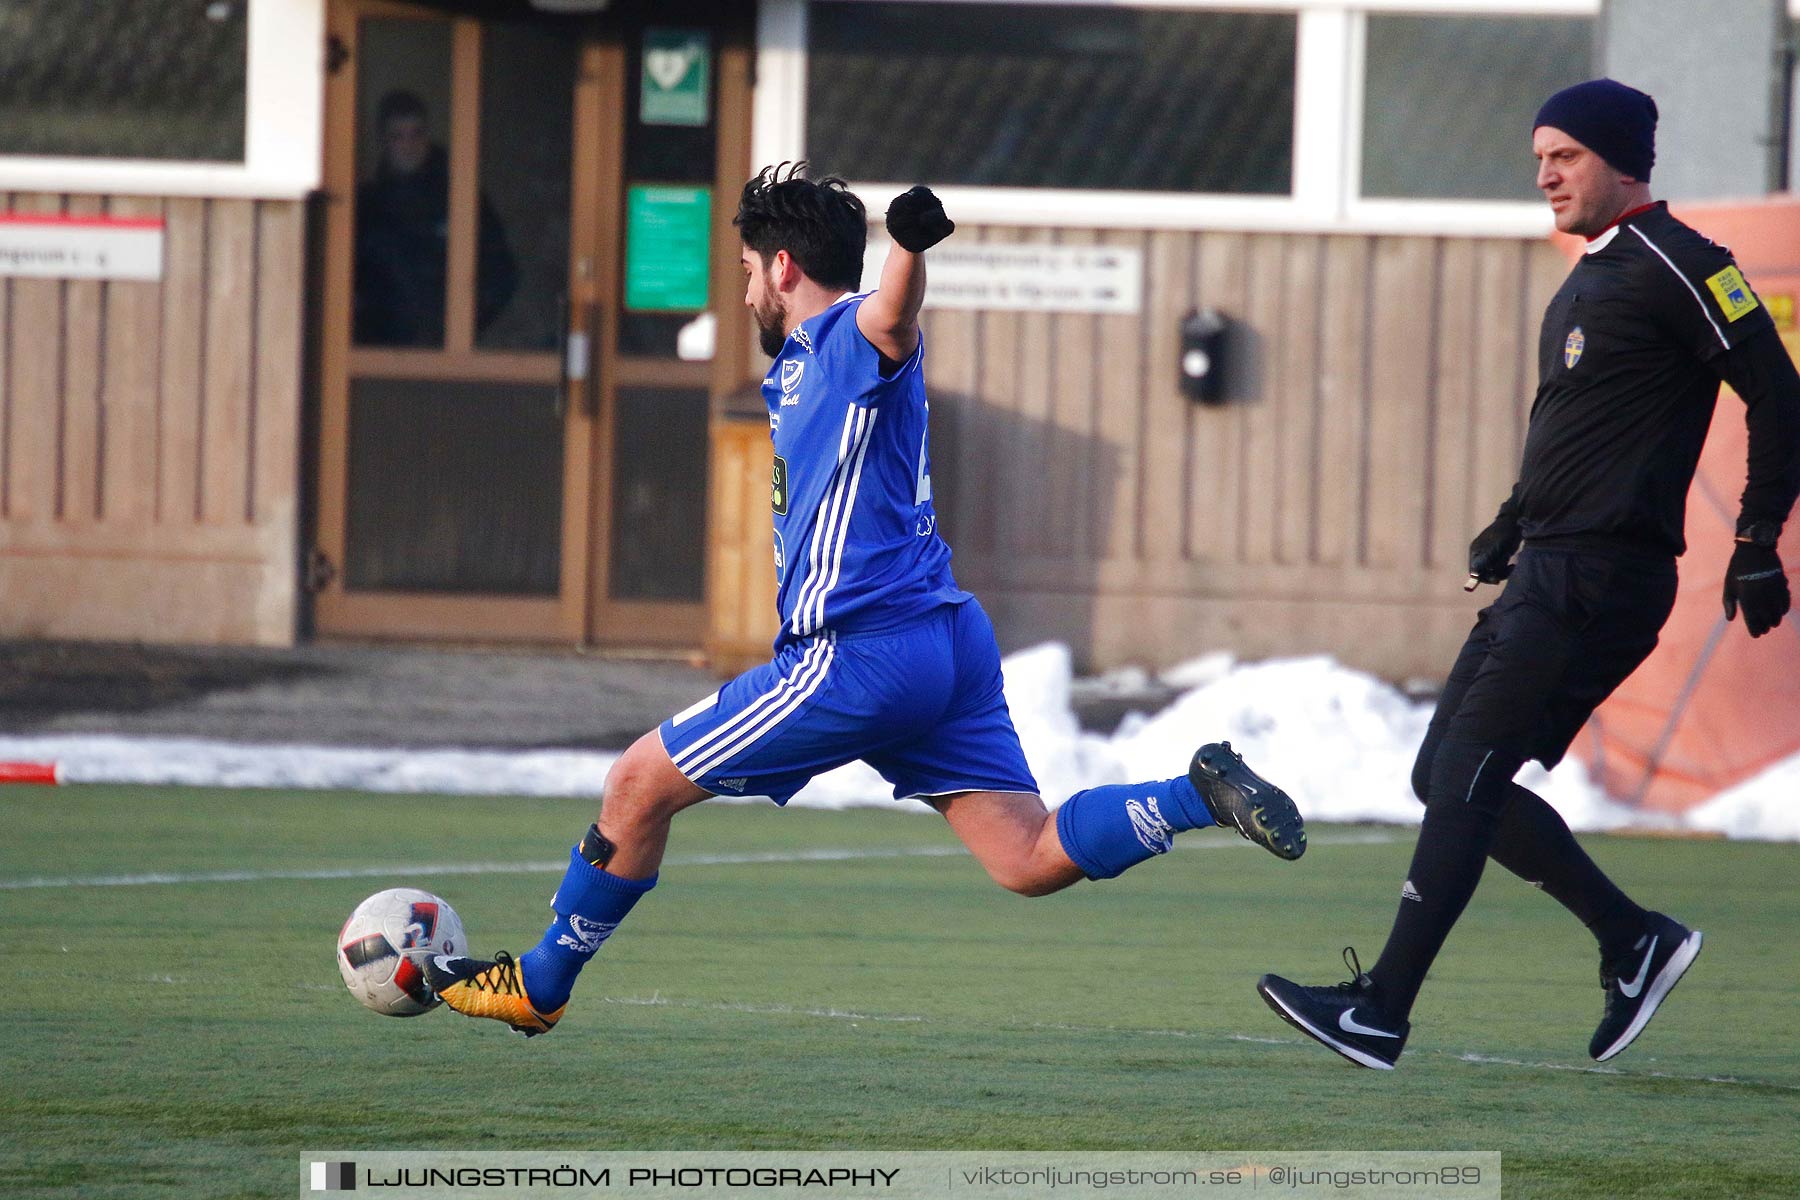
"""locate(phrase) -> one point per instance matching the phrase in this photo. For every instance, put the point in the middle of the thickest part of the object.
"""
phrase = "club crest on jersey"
(791, 370)
(1572, 348)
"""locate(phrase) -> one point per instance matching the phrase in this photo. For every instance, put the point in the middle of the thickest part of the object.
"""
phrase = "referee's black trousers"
(1569, 627)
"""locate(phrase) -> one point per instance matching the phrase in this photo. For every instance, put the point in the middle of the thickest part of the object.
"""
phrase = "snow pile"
(1340, 741)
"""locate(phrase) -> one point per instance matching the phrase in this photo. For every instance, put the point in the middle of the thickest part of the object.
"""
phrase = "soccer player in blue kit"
(881, 657)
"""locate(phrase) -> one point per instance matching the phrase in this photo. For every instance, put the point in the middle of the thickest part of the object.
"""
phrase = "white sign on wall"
(1026, 278)
(56, 246)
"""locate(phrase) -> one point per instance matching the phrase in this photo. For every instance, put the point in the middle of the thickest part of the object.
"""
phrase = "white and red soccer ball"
(382, 949)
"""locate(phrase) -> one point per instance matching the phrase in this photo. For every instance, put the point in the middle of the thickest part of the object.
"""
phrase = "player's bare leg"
(1103, 831)
(1014, 837)
(609, 871)
(643, 793)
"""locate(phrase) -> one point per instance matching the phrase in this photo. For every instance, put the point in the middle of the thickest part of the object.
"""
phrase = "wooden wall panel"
(1378, 410)
(1291, 351)
(222, 450)
(1071, 458)
(1216, 473)
(34, 392)
(183, 361)
(1342, 400)
(132, 366)
(997, 524)
(1451, 467)
(1163, 482)
(273, 422)
(1261, 483)
(741, 618)
(1398, 404)
(1120, 398)
(149, 461)
(79, 447)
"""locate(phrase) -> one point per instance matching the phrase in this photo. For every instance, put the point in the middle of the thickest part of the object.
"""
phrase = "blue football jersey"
(856, 537)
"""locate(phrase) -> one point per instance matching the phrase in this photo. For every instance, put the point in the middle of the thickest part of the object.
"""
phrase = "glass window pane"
(1423, 138)
(1052, 96)
(403, 201)
(659, 495)
(454, 487)
(128, 79)
(522, 259)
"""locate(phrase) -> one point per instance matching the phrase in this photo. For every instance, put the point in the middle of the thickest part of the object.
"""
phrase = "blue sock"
(1106, 830)
(589, 906)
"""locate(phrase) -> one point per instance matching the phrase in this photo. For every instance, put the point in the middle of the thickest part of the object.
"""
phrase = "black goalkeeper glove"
(916, 220)
(1490, 554)
(1756, 583)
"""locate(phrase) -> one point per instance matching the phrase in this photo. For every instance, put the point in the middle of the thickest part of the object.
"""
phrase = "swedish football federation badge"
(1573, 347)
(1733, 294)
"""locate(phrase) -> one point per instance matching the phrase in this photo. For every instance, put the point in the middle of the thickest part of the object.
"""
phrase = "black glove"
(916, 220)
(1491, 552)
(1756, 582)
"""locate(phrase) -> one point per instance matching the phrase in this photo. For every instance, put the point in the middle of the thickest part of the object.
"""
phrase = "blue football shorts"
(921, 703)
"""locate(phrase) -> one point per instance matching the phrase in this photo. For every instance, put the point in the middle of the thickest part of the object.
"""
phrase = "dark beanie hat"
(1614, 121)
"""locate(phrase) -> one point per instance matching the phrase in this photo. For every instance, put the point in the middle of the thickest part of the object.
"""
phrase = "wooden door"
(467, 168)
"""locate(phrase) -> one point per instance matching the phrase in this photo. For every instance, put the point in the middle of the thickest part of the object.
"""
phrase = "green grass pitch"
(190, 1038)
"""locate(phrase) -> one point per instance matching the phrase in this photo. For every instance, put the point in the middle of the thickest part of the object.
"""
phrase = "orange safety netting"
(1711, 706)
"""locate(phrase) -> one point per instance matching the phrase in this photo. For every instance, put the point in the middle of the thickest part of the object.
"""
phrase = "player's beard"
(771, 323)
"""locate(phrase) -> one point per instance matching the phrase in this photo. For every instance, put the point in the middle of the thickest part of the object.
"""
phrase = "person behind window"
(402, 237)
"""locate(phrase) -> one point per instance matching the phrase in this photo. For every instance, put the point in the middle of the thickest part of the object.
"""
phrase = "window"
(1053, 96)
(1448, 101)
(154, 79)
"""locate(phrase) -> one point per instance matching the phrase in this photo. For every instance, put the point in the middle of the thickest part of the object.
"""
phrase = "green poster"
(677, 71)
(668, 242)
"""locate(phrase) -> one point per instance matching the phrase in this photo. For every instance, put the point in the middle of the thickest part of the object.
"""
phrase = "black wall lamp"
(1204, 333)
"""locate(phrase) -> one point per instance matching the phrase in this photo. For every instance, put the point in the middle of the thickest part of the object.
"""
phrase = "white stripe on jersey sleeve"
(1692, 290)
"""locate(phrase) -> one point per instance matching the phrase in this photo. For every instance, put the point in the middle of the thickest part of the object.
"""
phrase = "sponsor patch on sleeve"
(1733, 294)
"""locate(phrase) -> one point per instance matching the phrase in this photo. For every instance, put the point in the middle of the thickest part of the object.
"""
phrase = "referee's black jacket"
(1629, 362)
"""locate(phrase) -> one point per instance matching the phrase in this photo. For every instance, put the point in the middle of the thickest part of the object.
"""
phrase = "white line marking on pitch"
(548, 866)
(658, 1000)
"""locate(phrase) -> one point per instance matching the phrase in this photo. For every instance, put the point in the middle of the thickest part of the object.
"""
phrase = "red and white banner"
(57, 246)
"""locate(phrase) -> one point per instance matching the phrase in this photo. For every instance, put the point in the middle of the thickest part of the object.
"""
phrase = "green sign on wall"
(677, 71)
(668, 240)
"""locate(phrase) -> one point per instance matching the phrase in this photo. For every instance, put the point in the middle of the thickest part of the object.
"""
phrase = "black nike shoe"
(1240, 799)
(1636, 982)
(1343, 1017)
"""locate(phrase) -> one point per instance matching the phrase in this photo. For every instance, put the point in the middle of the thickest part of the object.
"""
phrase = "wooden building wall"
(1378, 408)
(149, 457)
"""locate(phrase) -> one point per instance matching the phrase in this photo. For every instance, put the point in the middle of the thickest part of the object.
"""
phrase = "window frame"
(1326, 195)
(283, 126)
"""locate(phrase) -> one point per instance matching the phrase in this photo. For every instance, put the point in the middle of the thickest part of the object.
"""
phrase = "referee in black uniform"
(1630, 357)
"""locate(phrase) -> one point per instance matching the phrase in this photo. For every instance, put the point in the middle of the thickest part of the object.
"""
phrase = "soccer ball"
(381, 950)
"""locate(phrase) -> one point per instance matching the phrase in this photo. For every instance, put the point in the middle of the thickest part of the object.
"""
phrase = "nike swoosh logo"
(1630, 990)
(1350, 1024)
(442, 961)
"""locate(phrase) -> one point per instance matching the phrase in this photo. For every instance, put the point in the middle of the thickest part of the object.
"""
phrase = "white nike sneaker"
(1636, 982)
(1343, 1016)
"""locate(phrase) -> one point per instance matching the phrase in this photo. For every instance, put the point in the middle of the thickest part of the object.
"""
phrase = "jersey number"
(922, 484)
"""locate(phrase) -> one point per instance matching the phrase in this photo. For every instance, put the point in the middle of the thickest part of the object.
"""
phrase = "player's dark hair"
(399, 103)
(819, 222)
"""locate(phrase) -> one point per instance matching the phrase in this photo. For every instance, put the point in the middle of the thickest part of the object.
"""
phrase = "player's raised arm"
(890, 318)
